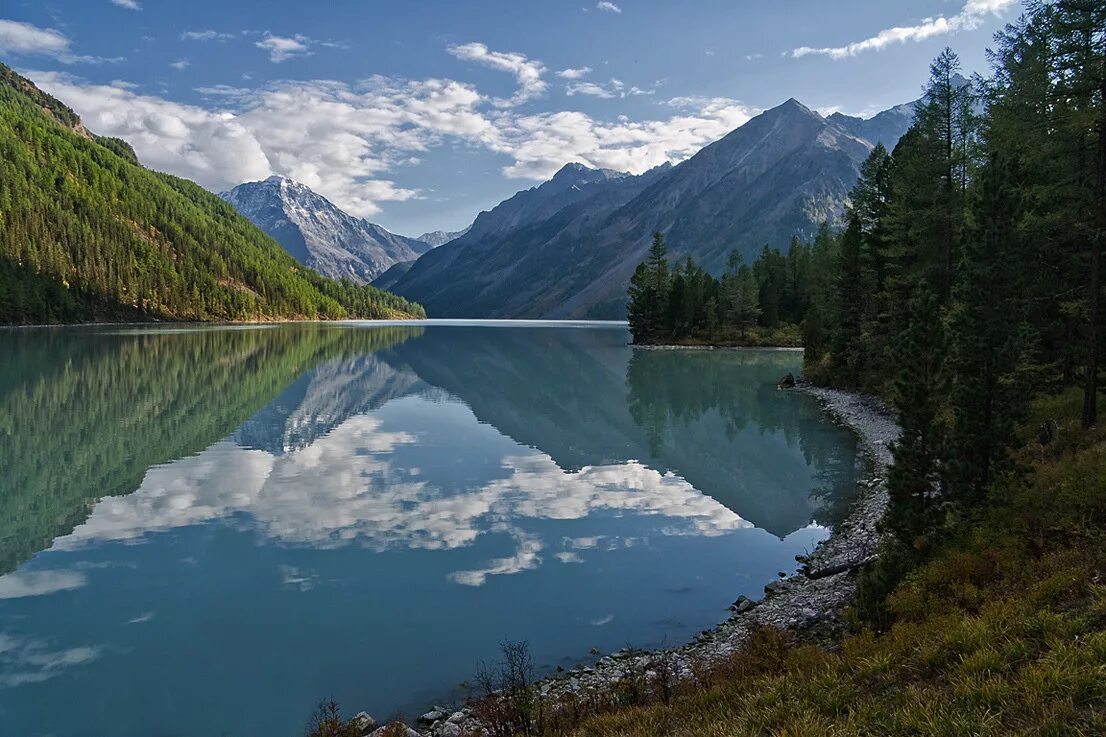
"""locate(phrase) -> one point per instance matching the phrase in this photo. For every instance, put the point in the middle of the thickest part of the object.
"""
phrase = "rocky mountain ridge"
(318, 233)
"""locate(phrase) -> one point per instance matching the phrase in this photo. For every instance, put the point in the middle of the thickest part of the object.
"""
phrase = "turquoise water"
(205, 531)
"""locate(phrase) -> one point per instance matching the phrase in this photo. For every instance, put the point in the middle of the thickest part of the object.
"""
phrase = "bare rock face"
(318, 233)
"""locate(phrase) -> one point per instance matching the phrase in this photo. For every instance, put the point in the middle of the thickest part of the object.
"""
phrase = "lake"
(204, 531)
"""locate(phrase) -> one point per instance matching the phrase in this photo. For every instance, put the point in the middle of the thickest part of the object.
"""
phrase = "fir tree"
(649, 293)
(919, 393)
(990, 340)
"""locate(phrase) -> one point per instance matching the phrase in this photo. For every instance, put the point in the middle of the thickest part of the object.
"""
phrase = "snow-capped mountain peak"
(318, 233)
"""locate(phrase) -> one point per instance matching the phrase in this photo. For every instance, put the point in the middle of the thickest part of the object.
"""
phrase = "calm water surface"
(205, 531)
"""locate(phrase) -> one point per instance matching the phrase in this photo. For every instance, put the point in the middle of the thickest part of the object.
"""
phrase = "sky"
(419, 114)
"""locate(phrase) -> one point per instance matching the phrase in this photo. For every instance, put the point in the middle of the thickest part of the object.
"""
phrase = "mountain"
(501, 266)
(886, 127)
(568, 247)
(318, 233)
(87, 233)
(441, 237)
(391, 277)
(890, 125)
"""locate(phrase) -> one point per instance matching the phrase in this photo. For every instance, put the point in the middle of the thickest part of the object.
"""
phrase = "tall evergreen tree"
(847, 336)
(819, 316)
(919, 394)
(948, 128)
(990, 340)
(1079, 56)
(647, 310)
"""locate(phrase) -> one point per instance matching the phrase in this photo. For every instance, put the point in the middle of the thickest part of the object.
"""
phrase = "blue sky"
(419, 114)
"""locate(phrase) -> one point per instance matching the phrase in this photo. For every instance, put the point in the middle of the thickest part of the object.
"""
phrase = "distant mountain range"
(567, 248)
(321, 235)
(441, 237)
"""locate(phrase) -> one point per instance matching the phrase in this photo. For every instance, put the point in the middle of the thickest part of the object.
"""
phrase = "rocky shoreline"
(809, 603)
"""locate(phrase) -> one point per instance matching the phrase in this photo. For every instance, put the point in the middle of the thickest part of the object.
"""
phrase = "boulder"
(364, 723)
(435, 715)
(742, 604)
(407, 731)
(787, 382)
(448, 729)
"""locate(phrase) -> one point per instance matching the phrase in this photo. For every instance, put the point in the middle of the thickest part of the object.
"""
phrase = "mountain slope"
(555, 251)
(391, 277)
(87, 233)
(441, 237)
(510, 262)
(318, 233)
(886, 127)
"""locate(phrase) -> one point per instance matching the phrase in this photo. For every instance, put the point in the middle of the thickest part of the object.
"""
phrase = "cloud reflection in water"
(349, 487)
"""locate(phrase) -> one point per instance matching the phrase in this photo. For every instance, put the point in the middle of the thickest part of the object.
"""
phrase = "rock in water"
(364, 723)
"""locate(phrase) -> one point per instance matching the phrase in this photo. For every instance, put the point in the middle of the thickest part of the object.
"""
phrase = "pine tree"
(847, 338)
(639, 310)
(748, 300)
(647, 310)
(919, 392)
(990, 340)
(819, 316)
(948, 128)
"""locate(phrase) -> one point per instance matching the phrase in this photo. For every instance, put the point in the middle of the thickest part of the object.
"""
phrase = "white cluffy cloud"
(527, 72)
(574, 72)
(970, 17)
(128, 4)
(24, 38)
(283, 48)
(608, 6)
(614, 88)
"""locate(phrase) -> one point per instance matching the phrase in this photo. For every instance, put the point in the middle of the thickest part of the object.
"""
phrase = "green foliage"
(86, 233)
(992, 341)
(649, 291)
(760, 305)
(919, 397)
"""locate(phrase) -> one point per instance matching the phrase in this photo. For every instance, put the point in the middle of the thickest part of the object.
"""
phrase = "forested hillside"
(87, 233)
